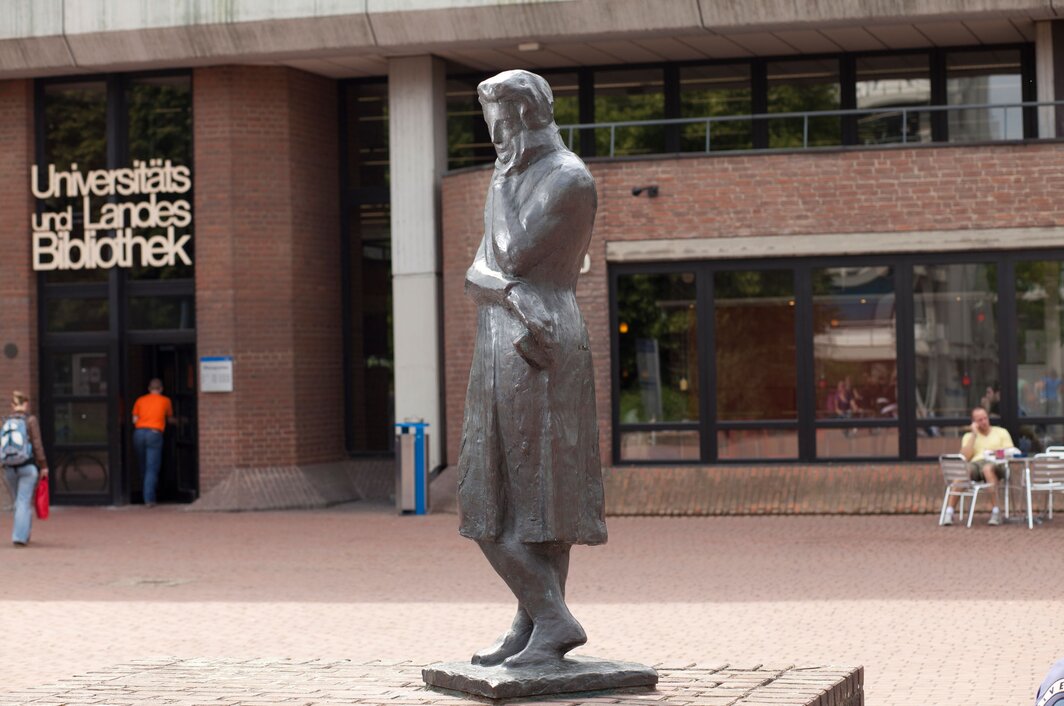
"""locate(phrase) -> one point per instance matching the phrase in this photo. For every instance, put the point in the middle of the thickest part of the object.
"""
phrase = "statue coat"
(529, 459)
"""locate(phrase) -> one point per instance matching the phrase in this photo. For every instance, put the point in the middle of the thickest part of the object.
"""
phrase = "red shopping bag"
(42, 499)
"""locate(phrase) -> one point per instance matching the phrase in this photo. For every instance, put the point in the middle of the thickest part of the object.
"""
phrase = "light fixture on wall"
(651, 190)
(529, 46)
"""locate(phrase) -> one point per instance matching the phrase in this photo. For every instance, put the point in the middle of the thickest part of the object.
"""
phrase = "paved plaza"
(934, 615)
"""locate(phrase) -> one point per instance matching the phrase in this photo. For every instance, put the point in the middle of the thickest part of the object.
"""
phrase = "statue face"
(504, 125)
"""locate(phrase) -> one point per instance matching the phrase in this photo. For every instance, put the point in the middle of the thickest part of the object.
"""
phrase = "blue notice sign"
(216, 373)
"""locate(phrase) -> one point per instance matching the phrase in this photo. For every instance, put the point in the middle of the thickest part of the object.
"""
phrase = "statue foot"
(510, 643)
(548, 644)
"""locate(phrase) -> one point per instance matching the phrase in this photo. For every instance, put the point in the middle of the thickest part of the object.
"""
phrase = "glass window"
(367, 134)
(658, 357)
(368, 355)
(955, 337)
(371, 356)
(1040, 321)
(991, 76)
(737, 444)
(79, 373)
(627, 95)
(855, 343)
(804, 86)
(468, 141)
(67, 315)
(147, 313)
(566, 90)
(715, 91)
(891, 82)
(755, 345)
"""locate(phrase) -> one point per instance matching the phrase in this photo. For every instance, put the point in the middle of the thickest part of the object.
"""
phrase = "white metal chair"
(1054, 451)
(958, 483)
(1045, 474)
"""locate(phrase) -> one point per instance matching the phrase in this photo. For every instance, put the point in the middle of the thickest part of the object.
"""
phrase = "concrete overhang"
(355, 37)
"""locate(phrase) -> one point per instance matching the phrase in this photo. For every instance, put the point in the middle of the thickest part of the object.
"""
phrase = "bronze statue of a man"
(530, 480)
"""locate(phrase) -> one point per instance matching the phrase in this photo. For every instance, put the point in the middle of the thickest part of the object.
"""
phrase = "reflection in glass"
(75, 132)
(667, 445)
(857, 442)
(160, 127)
(803, 86)
(81, 472)
(79, 373)
(755, 348)
(981, 77)
(855, 342)
(1039, 325)
(658, 354)
(712, 91)
(955, 336)
(893, 81)
(69, 315)
(150, 313)
(626, 95)
(754, 444)
(80, 422)
(160, 118)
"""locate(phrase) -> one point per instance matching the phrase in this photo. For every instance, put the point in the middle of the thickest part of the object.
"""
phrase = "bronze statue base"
(571, 675)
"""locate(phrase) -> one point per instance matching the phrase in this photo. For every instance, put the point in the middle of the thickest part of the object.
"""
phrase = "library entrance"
(88, 429)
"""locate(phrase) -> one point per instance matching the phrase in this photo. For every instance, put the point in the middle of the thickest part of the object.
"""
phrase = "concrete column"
(417, 123)
(1043, 70)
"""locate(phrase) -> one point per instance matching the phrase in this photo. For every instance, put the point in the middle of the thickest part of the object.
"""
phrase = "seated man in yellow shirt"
(974, 445)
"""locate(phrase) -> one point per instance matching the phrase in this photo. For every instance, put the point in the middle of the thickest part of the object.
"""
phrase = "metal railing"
(903, 114)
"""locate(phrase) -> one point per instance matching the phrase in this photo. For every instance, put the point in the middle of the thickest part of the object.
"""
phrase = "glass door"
(75, 424)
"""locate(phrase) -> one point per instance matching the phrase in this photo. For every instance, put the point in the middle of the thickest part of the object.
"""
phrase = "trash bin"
(412, 468)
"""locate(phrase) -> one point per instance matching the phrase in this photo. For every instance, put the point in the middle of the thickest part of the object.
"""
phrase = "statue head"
(516, 103)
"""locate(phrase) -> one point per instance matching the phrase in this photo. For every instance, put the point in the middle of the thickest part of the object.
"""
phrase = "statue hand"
(536, 343)
(534, 354)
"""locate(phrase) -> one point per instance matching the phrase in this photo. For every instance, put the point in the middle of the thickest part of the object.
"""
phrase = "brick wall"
(18, 282)
(268, 270)
(882, 191)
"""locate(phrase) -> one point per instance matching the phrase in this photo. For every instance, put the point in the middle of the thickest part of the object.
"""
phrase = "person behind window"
(151, 412)
(982, 438)
(843, 401)
(22, 478)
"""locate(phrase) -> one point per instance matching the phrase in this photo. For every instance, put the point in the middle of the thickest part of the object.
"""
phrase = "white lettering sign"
(111, 234)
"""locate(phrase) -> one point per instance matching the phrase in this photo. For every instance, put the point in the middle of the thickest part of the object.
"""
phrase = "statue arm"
(558, 216)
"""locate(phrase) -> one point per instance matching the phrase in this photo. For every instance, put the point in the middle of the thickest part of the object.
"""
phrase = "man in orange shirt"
(151, 412)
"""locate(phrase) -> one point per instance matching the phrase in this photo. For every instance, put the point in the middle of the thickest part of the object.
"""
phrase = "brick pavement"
(915, 604)
(259, 682)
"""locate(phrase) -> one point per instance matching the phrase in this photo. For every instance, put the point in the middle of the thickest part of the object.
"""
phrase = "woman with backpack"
(22, 454)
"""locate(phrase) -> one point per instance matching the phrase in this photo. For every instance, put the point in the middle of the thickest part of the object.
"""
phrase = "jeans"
(148, 444)
(22, 481)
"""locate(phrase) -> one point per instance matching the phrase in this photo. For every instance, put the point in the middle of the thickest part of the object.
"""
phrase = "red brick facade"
(878, 191)
(268, 267)
(18, 282)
